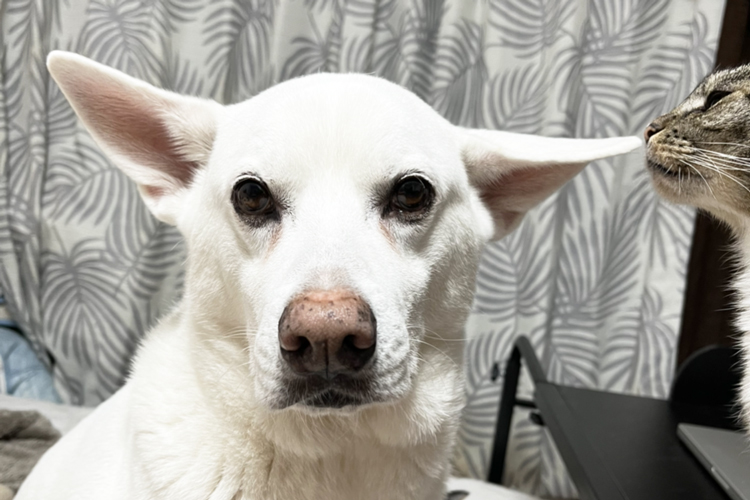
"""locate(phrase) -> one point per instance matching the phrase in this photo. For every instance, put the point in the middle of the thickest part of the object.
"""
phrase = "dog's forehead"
(343, 125)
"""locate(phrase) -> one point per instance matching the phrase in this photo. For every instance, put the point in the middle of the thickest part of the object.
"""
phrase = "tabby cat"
(699, 154)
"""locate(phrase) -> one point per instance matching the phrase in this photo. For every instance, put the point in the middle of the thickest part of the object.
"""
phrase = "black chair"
(619, 447)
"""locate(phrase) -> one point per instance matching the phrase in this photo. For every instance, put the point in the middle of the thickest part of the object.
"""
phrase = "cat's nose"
(652, 129)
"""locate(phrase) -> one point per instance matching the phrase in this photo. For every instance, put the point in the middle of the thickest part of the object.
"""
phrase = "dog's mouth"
(339, 392)
(333, 399)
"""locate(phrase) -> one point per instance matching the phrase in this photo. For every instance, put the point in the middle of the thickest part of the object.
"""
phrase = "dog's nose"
(327, 332)
(652, 129)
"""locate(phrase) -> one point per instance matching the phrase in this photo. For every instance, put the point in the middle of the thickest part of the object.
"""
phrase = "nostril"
(350, 344)
(650, 131)
(293, 343)
(362, 339)
(353, 355)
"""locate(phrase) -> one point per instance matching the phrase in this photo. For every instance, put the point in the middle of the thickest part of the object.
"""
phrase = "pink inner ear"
(522, 188)
(513, 193)
(132, 124)
(153, 191)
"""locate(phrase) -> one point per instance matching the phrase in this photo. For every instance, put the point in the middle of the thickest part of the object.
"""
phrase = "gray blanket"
(24, 437)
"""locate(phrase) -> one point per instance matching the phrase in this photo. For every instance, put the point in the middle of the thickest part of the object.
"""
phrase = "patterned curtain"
(594, 277)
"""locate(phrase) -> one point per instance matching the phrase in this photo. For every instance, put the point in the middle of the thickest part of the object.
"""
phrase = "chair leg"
(505, 417)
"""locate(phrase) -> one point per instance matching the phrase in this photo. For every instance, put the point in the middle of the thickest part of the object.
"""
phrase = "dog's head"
(334, 222)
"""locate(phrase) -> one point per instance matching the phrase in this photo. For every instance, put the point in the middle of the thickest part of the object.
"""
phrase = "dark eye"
(251, 197)
(411, 194)
(714, 97)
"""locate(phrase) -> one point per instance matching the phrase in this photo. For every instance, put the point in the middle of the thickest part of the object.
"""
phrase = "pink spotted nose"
(327, 333)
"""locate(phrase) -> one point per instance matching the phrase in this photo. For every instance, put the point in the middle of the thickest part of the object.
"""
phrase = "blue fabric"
(25, 375)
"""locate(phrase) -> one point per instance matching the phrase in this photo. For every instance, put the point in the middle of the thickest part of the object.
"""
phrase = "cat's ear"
(515, 172)
(158, 138)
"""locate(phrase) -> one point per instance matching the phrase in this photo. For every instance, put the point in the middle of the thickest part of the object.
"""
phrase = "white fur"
(196, 420)
(742, 286)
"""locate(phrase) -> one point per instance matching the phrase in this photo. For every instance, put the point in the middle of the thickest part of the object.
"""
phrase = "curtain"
(595, 276)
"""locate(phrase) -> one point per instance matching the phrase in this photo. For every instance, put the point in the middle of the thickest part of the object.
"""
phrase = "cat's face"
(699, 153)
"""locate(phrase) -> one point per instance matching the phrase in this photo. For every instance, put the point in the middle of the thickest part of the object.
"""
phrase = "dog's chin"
(317, 395)
(332, 402)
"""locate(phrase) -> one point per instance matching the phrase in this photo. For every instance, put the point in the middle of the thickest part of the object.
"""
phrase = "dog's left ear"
(515, 172)
(158, 138)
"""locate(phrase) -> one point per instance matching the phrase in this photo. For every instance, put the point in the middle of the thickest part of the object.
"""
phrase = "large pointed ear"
(515, 172)
(158, 138)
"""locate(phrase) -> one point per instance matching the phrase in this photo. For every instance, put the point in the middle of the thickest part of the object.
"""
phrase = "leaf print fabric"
(594, 276)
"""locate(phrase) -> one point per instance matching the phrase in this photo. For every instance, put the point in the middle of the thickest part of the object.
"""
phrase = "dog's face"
(339, 196)
(334, 222)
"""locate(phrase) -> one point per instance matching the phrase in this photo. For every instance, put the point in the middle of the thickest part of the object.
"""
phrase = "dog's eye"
(714, 97)
(411, 194)
(251, 197)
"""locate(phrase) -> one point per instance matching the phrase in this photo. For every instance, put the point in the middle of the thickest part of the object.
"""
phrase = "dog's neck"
(179, 361)
(203, 355)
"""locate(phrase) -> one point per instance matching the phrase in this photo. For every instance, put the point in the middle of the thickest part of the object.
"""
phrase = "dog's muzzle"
(327, 340)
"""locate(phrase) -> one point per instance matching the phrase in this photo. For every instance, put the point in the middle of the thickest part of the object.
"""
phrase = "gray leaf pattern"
(81, 184)
(239, 34)
(530, 26)
(460, 75)
(120, 33)
(516, 100)
(593, 276)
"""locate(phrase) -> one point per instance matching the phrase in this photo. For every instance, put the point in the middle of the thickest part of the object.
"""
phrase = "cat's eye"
(411, 197)
(714, 97)
(251, 197)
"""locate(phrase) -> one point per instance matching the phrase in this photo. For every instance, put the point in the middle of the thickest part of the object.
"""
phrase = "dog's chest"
(238, 467)
(190, 446)
(362, 473)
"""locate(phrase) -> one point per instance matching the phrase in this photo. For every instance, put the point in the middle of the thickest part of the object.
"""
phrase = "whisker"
(699, 173)
(724, 164)
(436, 334)
(725, 143)
(444, 340)
(449, 358)
(719, 169)
(731, 158)
(721, 172)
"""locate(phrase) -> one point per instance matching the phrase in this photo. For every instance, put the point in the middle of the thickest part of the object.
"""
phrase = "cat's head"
(699, 153)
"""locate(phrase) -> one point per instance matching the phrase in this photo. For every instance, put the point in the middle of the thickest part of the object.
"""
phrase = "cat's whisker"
(719, 163)
(725, 144)
(721, 172)
(732, 163)
(728, 163)
(701, 175)
(707, 162)
(710, 164)
(732, 158)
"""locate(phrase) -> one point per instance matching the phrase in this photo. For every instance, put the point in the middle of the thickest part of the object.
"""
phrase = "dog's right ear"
(158, 138)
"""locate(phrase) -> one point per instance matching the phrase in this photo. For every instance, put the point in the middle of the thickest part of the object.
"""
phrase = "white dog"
(334, 224)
